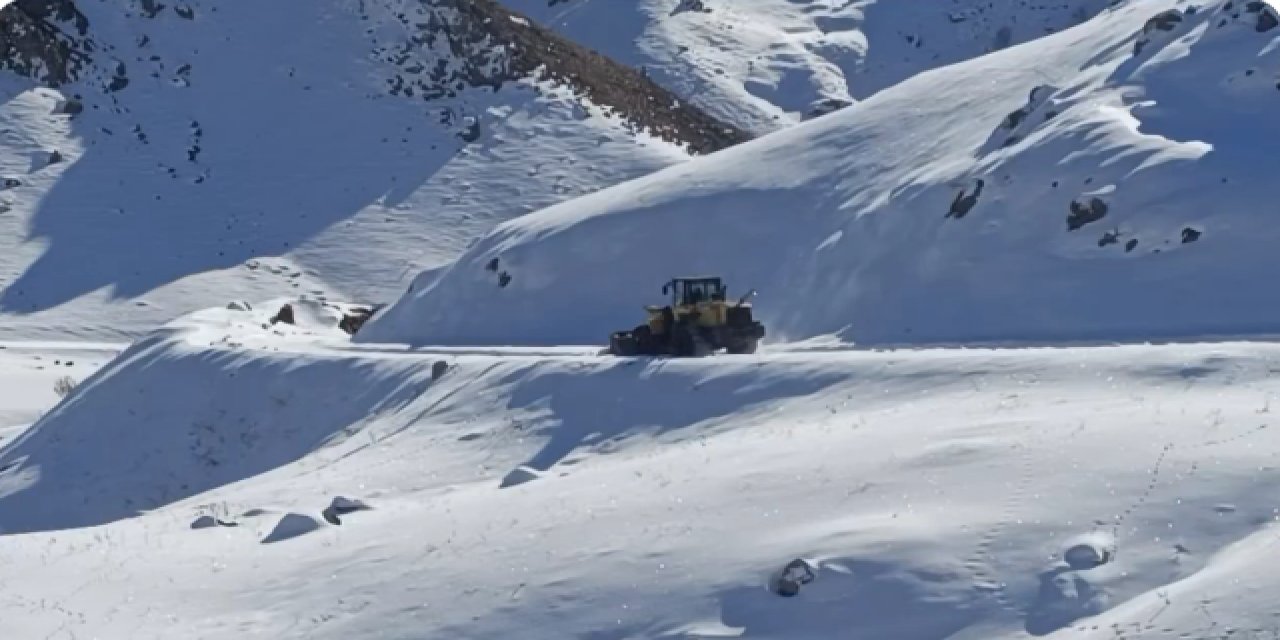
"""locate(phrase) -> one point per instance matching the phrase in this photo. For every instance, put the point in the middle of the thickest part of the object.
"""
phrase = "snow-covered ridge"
(767, 64)
(1104, 183)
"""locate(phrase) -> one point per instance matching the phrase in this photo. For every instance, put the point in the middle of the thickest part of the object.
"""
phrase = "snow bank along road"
(937, 493)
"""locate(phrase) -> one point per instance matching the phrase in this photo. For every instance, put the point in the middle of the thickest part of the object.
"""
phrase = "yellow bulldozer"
(700, 320)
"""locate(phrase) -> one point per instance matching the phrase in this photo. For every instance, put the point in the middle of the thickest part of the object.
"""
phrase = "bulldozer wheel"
(683, 344)
(646, 344)
(623, 343)
(744, 347)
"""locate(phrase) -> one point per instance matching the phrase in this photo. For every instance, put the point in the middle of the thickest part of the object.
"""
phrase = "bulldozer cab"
(694, 291)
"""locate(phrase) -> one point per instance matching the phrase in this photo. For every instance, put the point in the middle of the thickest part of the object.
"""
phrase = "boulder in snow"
(208, 522)
(965, 201)
(285, 315)
(355, 318)
(69, 107)
(1083, 213)
(341, 506)
(796, 574)
(1268, 19)
(1084, 556)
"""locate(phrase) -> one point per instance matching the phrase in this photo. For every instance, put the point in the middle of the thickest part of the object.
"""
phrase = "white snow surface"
(558, 494)
(29, 374)
(767, 64)
(842, 222)
(255, 153)
(465, 470)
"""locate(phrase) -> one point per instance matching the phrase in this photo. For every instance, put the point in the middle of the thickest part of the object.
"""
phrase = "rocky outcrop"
(45, 40)
(505, 46)
(1083, 213)
(450, 46)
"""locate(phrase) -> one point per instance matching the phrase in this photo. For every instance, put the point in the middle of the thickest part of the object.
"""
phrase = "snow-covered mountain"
(1102, 183)
(767, 64)
(199, 152)
(231, 476)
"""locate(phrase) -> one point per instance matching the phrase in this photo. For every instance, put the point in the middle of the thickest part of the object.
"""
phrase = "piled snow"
(767, 64)
(1129, 199)
(935, 493)
(249, 158)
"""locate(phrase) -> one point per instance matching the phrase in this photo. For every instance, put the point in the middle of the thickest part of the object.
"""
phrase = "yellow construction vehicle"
(699, 320)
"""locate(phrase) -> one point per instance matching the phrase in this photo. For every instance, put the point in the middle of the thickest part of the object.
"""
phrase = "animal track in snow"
(981, 563)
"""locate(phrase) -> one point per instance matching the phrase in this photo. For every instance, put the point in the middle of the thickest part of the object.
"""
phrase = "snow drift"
(1109, 182)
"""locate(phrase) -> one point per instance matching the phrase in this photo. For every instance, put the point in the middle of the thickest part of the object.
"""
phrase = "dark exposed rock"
(796, 574)
(470, 130)
(1083, 557)
(285, 315)
(529, 50)
(1018, 124)
(1085, 213)
(356, 318)
(1267, 18)
(341, 506)
(1163, 21)
(70, 107)
(438, 369)
(697, 6)
(487, 44)
(151, 8)
(1131, 245)
(44, 40)
(827, 106)
(964, 201)
(1190, 235)
(207, 522)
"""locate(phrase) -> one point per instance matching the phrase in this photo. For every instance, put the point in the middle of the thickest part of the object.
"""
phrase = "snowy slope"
(29, 375)
(553, 494)
(232, 145)
(1126, 197)
(766, 64)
